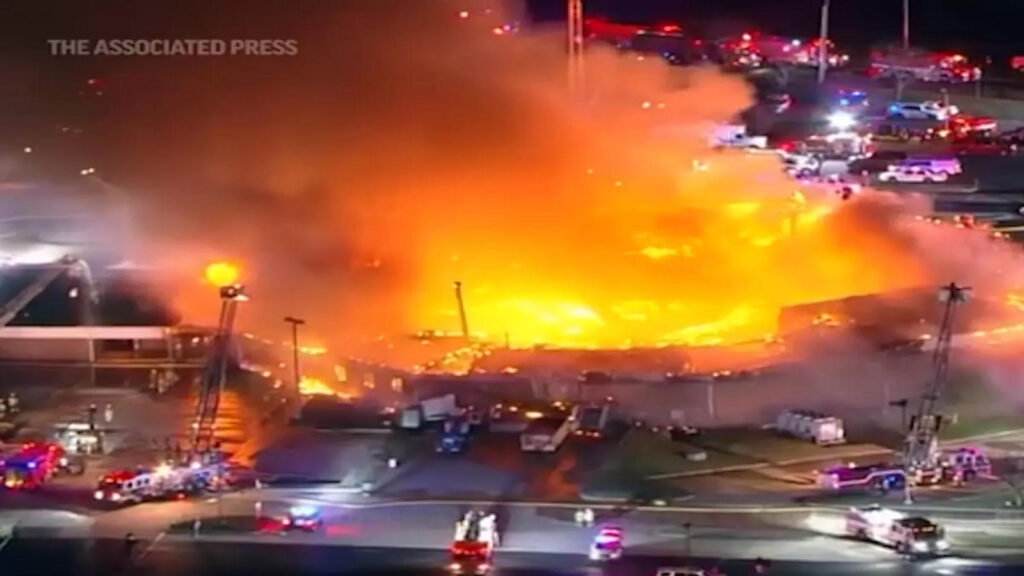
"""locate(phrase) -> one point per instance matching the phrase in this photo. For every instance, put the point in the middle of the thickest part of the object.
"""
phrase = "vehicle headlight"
(98, 495)
(115, 496)
(920, 545)
(942, 545)
(455, 567)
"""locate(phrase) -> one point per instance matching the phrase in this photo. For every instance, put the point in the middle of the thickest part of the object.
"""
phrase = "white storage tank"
(819, 428)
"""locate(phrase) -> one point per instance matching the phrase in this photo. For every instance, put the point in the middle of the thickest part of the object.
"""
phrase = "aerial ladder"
(48, 274)
(215, 372)
(920, 455)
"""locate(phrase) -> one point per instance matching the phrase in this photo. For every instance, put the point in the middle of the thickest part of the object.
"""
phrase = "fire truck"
(954, 467)
(33, 464)
(923, 66)
(123, 487)
(752, 50)
(909, 535)
(476, 537)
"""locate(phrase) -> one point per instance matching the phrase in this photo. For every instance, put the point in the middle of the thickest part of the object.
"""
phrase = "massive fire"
(445, 153)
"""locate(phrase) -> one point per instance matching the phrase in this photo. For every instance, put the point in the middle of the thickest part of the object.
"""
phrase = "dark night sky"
(32, 79)
(986, 25)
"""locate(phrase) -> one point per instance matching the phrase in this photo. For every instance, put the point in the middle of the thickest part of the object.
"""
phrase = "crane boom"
(920, 448)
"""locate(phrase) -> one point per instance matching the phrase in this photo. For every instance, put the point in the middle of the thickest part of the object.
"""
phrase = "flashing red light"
(746, 37)
(670, 28)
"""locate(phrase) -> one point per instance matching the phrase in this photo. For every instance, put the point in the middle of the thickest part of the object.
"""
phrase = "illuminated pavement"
(540, 536)
(33, 557)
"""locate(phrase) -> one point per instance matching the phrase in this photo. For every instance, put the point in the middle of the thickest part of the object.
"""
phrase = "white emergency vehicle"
(165, 481)
(476, 537)
(909, 535)
(735, 136)
(607, 545)
(822, 429)
(912, 175)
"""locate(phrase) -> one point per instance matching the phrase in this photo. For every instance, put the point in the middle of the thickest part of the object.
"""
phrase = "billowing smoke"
(407, 147)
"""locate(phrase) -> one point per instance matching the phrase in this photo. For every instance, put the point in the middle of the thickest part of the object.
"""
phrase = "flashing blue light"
(31, 465)
(894, 108)
(844, 102)
(302, 511)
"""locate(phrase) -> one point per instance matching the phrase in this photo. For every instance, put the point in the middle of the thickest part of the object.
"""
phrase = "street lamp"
(295, 322)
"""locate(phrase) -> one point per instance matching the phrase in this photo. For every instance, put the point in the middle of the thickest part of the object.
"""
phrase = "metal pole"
(906, 24)
(711, 399)
(823, 42)
(463, 321)
(295, 353)
(295, 322)
(575, 44)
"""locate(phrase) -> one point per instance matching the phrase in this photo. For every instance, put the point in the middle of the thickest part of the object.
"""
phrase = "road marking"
(5, 541)
(155, 541)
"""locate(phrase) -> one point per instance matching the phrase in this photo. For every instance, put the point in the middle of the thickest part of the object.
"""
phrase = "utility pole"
(295, 322)
(906, 24)
(823, 42)
(574, 36)
(463, 322)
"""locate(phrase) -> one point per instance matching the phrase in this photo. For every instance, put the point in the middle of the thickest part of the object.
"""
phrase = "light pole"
(574, 35)
(906, 24)
(823, 42)
(295, 322)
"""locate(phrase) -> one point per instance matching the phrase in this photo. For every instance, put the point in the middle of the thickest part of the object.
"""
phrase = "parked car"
(929, 110)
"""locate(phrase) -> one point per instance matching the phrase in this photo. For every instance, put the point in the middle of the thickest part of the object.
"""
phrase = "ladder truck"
(476, 537)
(920, 457)
(214, 374)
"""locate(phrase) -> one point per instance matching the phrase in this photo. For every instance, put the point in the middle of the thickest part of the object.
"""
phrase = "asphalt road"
(32, 557)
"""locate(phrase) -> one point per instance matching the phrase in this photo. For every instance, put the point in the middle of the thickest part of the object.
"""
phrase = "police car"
(301, 517)
(607, 544)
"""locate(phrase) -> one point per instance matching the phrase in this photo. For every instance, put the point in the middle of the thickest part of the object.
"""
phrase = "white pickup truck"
(909, 535)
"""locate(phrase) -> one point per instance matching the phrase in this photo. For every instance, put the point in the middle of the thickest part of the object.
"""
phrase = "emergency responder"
(108, 413)
(92, 416)
(588, 516)
(129, 543)
(12, 403)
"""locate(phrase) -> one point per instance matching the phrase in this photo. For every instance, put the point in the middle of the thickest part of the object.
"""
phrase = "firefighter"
(12, 403)
(129, 543)
(588, 516)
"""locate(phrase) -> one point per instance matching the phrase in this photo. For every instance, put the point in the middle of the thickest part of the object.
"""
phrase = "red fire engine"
(165, 481)
(476, 536)
(32, 465)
